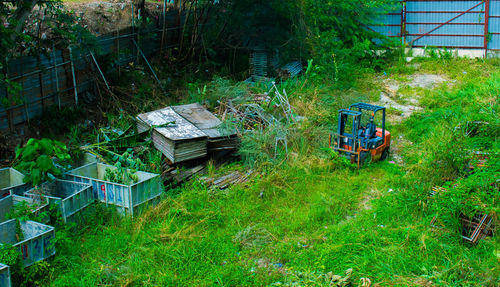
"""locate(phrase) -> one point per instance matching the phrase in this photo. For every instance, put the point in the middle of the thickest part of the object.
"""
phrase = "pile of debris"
(226, 180)
(262, 110)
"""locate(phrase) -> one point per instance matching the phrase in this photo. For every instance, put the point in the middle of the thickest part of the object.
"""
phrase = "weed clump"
(253, 236)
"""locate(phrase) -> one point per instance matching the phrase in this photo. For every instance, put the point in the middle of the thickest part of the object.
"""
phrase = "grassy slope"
(315, 216)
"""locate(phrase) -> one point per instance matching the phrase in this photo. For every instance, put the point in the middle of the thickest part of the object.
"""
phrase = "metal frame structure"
(455, 24)
(478, 226)
(374, 109)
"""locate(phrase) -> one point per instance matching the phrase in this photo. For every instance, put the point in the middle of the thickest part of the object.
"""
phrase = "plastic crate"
(4, 275)
(70, 196)
(129, 199)
(11, 182)
(36, 205)
(37, 243)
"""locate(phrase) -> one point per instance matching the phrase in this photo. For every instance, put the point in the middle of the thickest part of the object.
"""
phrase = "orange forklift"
(358, 138)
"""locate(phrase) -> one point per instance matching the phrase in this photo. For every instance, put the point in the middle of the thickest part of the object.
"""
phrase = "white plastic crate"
(11, 181)
(128, 198)
(36, 244)
(70, 196)
(4, 276)
(36, 205)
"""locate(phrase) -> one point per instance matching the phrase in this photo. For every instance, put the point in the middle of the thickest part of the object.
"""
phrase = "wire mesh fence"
(65, 77)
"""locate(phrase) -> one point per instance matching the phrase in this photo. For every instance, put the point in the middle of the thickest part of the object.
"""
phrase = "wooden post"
(56, 75)
(40, 81)
(486, 26)
(163, 28)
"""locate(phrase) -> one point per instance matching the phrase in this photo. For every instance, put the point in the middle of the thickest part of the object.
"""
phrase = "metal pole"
(73, 74)
(57, 76)
(98, 68)
(486, 26)
(147, 62)
(403, 24)
(40, 81)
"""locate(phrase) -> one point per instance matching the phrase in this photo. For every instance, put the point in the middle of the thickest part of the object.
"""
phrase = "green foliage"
(125, 169)
(13, 90)
(10, 255)
(20, 22)
(24, 211)
(41, 160)
(21, 34)
(37, 274)
(333, 33)
(218, 90)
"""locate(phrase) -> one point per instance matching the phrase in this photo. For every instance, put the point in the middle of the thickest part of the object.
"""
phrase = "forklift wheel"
(385, 154)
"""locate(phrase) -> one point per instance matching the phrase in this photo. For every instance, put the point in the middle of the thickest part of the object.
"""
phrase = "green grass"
(315, 215)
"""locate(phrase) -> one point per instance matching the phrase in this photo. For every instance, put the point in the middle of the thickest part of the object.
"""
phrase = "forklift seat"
(371, 130)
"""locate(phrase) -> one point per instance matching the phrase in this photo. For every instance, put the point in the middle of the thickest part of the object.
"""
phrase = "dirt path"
(402, 99)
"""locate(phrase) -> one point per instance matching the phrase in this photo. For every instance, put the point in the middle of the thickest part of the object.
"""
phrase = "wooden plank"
(203, 120)
(181, 130)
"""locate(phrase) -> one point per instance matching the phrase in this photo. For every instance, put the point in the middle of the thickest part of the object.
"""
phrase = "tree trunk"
(140, 8)
(23, 10)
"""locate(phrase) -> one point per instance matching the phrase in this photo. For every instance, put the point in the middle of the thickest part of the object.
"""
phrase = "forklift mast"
(348, 138)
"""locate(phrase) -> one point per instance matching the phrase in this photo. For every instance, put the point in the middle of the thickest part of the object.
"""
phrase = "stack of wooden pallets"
(186, 132)
(219, 136)
(178, 139)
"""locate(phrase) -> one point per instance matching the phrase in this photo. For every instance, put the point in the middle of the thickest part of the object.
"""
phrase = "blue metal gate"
(462, 24)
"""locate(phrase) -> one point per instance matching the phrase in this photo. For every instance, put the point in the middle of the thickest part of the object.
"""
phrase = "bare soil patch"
(102, 17)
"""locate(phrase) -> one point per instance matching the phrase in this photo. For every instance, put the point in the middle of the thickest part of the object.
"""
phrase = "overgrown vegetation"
(307, 217)
(42, 160)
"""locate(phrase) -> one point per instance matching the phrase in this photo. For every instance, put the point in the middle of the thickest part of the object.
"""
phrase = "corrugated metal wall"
(494, 25)
(47, 80)
(466, 24)
(389, 24)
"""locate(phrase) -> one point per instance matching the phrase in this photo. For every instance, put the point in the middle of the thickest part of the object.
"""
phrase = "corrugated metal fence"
(462, 24)
(62, 77)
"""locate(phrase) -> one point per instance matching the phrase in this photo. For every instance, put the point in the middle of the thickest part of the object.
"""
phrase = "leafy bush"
(41, 160)
(122, 174)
